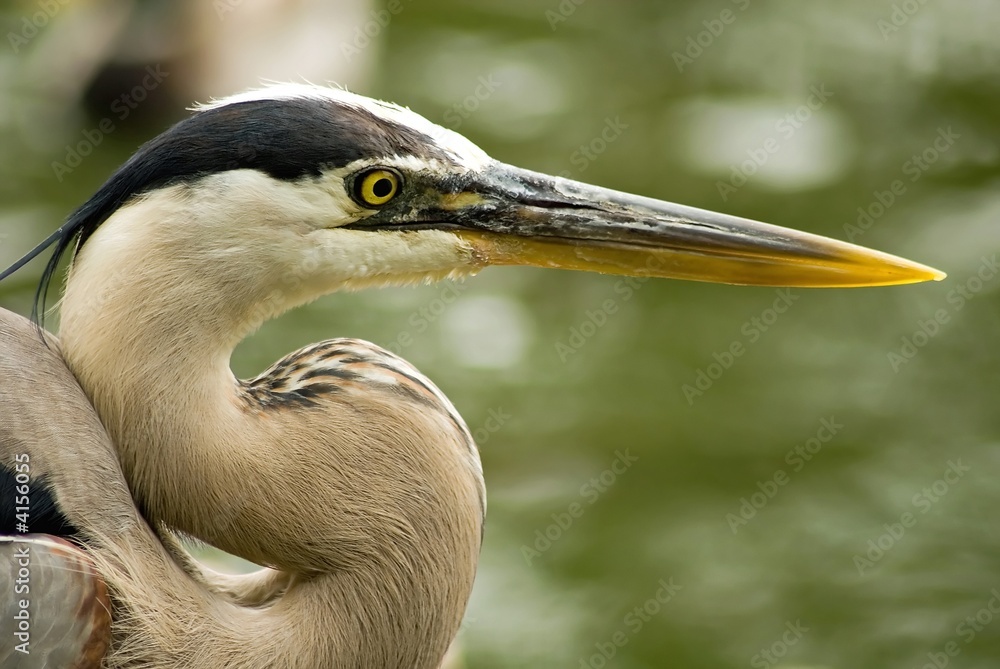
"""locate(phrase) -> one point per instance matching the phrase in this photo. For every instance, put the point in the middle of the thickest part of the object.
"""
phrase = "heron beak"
(512, 216)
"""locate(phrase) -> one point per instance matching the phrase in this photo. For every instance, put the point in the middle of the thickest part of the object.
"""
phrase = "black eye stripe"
(287, 139)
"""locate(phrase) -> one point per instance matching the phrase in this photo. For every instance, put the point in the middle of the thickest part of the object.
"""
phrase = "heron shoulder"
(347, 368)
(344, 373)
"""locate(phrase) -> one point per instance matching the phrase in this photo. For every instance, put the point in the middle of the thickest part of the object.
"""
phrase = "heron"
(341, 470)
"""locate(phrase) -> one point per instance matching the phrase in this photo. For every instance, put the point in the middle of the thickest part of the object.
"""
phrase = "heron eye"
(376, 187)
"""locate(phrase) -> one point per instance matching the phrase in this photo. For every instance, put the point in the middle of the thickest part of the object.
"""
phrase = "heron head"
(340, 190)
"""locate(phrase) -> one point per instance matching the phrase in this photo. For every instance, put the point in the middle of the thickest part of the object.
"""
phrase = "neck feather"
(376, 499)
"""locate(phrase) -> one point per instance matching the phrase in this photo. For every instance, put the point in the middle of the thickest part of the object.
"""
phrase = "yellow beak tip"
(924, 273)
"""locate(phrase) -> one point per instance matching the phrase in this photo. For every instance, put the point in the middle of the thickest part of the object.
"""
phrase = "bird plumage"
(352, 368)
(341, 469)
(351, 470)
(392, 599)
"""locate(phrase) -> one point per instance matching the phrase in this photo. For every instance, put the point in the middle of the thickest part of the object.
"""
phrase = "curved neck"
(376, 501)
(166, 619)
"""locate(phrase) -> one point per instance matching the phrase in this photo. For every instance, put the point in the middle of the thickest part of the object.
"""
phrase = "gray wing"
(54, 610)
(51, 438)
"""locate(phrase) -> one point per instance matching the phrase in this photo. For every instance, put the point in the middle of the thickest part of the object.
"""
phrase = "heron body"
(342, 469)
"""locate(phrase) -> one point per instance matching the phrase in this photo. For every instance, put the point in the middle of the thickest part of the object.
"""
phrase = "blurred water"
(825, 499)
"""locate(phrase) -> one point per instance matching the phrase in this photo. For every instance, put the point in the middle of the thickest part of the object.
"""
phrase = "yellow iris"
(377, 187)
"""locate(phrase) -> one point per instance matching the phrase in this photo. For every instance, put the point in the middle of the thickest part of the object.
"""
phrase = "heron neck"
(154, 362)
(384, 521)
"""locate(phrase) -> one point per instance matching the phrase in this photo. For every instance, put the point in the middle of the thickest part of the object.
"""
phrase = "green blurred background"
(826, 498)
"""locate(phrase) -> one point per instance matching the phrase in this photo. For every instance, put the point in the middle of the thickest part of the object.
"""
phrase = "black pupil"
(382, 187)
